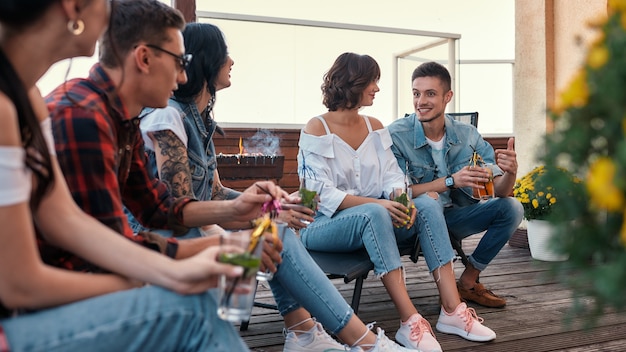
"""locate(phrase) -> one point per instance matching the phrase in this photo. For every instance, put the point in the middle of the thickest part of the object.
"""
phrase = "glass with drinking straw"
(236, 295)
(278, 230)
(310, 187)
(487, 190)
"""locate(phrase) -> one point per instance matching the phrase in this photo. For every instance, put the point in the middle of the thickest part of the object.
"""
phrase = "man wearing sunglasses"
(99, 145)
(183, 60)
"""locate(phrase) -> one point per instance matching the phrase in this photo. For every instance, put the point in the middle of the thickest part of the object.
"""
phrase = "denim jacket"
(200, 151)
(410, 145)
(200, 148)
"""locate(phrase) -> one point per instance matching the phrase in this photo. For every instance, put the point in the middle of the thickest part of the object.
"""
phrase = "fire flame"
(241, 150)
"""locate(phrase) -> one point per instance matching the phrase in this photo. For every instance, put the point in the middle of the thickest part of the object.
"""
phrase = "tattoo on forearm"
(223, 193)
(175, 167)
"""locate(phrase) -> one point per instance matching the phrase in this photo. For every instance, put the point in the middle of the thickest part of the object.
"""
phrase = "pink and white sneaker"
(416, 333)
(466, 323)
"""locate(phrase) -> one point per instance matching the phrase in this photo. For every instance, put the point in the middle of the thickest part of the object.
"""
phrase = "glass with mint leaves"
(402, 195)
(236, 295)
(310, 187)
(309, 192)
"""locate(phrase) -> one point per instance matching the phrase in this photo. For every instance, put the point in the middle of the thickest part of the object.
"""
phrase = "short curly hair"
(346, 80)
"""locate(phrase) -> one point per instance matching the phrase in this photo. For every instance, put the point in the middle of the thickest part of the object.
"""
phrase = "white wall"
(278, 69)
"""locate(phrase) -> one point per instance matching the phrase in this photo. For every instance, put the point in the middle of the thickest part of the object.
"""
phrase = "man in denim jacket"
(436, 152)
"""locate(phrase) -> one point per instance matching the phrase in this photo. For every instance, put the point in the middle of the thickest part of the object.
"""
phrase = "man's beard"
(430, 119)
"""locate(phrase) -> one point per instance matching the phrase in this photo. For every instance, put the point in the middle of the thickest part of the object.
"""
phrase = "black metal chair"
(467, 117)
(350, 266)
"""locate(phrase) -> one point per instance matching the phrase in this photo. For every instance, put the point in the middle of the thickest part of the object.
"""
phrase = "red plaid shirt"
(100, 150)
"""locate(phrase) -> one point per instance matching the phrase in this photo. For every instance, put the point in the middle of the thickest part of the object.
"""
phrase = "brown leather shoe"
(479, 294)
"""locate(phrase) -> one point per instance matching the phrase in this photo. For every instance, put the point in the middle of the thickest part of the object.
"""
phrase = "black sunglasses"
(183, 60)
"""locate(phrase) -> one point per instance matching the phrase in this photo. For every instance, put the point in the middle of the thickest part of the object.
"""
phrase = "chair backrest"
(467, 117)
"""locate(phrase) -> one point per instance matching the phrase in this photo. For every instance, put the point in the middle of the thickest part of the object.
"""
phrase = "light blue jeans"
(144, 319)
(369, 226)
(299, 282)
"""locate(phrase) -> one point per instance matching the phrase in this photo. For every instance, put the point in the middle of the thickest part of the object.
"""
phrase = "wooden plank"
(187, 7)
(533, 320)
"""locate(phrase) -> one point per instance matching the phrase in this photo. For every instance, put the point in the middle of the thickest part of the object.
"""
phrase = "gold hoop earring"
(76, 27)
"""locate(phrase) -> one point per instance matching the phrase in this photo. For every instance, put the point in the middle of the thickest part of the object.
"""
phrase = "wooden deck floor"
(531, 321)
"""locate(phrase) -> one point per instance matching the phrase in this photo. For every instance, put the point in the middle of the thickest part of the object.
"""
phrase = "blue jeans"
(498, 216)
(369, 226)
(299, 282)
(137, 227)
(144, 319)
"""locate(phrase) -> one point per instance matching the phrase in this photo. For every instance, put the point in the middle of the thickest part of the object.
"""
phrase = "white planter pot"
(540, 233)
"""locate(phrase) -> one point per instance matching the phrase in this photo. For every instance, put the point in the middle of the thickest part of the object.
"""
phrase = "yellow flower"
(616, 5)
(598, 56)
(575, 95)
(537, 197)
(535, 203)
(578, 93)
(604, 194)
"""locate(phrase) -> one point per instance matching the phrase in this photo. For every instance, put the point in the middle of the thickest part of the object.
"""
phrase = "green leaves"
(403, 199)
(309, 198)
(246, 260)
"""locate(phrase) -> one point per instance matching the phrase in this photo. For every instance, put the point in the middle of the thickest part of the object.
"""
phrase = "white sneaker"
(416, 333)
(383, 344)
(466, 323)
(314, 340)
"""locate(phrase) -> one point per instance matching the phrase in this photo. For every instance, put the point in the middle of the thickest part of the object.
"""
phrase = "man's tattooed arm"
(220, 192)
(172, 162)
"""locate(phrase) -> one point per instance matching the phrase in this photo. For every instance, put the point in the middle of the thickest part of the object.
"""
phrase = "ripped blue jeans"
(369, 226)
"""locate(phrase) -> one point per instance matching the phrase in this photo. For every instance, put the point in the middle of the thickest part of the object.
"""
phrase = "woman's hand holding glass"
(403, 211)
(310, 192)
(294, 214)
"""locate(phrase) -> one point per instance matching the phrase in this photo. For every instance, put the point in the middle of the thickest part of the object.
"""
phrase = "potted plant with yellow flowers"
(590, 137)
(540, 199)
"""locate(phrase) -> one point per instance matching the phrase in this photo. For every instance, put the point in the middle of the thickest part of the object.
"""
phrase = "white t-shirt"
(440, 160)
(164, 119)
